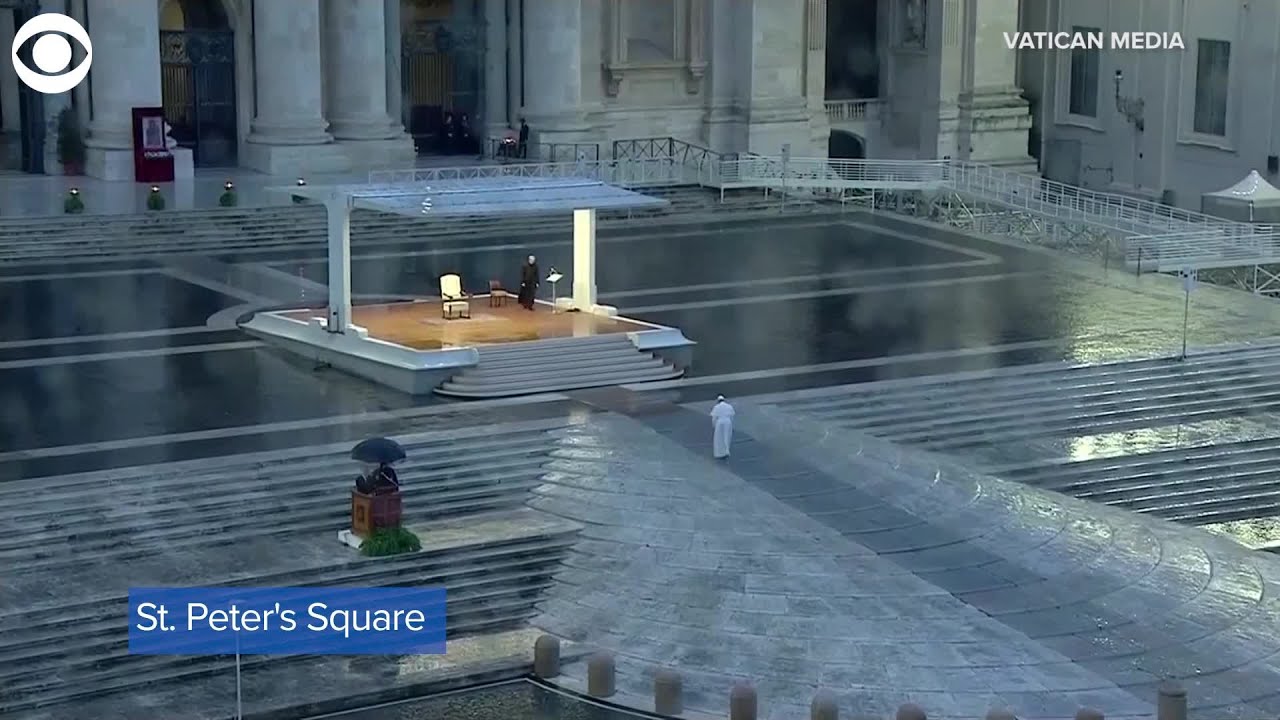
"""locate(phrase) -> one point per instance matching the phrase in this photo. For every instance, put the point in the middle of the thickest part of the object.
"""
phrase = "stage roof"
(501, 195)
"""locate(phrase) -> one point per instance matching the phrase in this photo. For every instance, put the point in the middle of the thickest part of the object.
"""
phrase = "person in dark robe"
(523, 147)
(450, 140)
(465, 139)
(528, 283)
(378, 480)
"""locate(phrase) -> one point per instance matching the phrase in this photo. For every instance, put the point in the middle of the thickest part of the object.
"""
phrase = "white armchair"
(453, 301)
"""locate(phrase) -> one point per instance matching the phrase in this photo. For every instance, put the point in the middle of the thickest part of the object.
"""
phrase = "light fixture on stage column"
(301, 182)
(228, 186)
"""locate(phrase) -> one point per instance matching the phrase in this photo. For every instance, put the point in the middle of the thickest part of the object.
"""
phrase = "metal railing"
(1206, 250)
(799, 173)
(853, 111)
(650, 172)
(499, 149)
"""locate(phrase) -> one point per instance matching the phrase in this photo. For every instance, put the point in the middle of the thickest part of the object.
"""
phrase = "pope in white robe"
(721, 428)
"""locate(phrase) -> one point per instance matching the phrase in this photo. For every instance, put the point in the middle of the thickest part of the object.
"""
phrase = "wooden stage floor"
(419, 324)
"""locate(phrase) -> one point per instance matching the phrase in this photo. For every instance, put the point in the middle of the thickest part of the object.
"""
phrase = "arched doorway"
(846, 146)
(442, 70)
(198, 78)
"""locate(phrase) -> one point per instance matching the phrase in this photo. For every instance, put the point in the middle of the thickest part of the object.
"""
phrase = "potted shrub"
(390, 541)
(73, 204)
(228, 197)
(70, 144)
(155, 201)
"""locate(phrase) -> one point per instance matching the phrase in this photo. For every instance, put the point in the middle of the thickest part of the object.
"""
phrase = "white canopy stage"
(1253, 199)
(479, 196)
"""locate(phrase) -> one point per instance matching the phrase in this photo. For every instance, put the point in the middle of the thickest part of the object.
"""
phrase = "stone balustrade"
(744, 701)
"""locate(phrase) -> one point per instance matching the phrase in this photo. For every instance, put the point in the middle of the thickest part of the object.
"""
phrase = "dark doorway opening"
(198, 79)
(442, 75)
(846, 146)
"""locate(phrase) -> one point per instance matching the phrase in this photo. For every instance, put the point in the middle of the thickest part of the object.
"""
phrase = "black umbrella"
(378, 450)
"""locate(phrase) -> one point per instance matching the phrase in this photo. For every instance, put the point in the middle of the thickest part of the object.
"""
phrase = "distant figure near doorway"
(522, 148)
(529, 283)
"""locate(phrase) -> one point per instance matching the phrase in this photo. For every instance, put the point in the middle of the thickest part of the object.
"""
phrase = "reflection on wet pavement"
(756, 297)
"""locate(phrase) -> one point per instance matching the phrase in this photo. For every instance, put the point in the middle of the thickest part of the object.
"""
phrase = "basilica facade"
(307, 86)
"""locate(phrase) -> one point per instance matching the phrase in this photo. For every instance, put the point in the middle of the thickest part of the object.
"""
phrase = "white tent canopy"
(1253, 199)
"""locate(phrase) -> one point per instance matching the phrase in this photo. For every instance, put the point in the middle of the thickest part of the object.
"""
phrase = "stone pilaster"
(495, 67)
(394, 34)
(125, 75)
(999, 118)
(55, 104)
(779, 112)
(515, 66)
(289, 133)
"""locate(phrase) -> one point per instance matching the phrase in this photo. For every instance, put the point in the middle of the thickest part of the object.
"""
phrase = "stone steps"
(557, 365)
(64, 638)
(277, 228)
(1030, 411)
(50, 663)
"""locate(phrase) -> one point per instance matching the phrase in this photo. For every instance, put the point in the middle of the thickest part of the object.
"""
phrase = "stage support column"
(584, 264)
(338, 209)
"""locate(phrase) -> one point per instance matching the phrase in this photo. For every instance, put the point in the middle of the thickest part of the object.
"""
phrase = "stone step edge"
(532, 389)
(415, 481)
(1229, 351)
(584, 357)
(1029, 388)
(1140, 483)
(485, 583)
(515, 618)
(1208, 451)
(123, 526)
(1003, 395)
(358, 567)
(305, 457)
(585, 372)
(328, 523)
(1092, 422)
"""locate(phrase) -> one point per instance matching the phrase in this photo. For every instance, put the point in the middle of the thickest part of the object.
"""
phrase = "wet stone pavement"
(146, 349)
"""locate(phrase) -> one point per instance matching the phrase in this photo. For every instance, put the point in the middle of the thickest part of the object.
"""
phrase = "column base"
(108, 164)
(397, 152)
(999, 124)
(295, 159)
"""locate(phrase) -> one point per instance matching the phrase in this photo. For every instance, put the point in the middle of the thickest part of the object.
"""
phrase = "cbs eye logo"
(51, 53)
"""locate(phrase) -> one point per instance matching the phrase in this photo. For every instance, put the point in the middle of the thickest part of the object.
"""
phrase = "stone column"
(55, 104)
(290, 126)
(515, 69)
(125, 75)
(355, 70)
(495, 68)
(10, 119)
(393, 46)
(553, 68)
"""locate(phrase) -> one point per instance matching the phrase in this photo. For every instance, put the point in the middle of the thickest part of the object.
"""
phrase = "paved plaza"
(818, 556)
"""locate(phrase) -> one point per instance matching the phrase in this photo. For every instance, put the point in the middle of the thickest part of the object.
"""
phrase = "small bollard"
(546, 657)
(995, 714)
(1171, 702)
(600, 675)
(668, 693)
(742, 702)
(910, 711)
(825, 706)
(1088, 714)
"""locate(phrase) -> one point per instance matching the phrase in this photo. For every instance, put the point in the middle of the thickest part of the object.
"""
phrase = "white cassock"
(722, 429)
